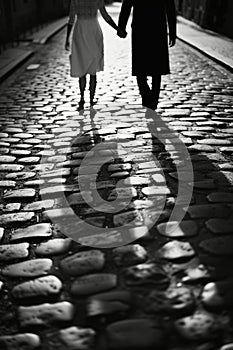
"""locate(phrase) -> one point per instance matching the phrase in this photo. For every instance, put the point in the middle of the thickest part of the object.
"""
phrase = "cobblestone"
(34, 231)
(93, 283)
(175, 230)
(129, 255)
(1, 232)
(13, 251)
(176, 250)
(16, 218)
(44, 314)
(143, 274)
(209, 211)
(201, 326)
(37, 288)
(83, 262)
(27, 341)
(217, 295)
(218, 246)
(109, 303)
(30, 268)
(73, 337)
(53, 247)
(172, 301)
(7, 183)
(162, 289)
(22, 193)
(116, 333)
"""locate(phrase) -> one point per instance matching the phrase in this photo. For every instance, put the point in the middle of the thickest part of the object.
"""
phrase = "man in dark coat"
(149, 42)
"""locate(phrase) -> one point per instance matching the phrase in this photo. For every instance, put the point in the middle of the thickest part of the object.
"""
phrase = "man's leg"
(156, 83)
(92, 88)
(144, 90)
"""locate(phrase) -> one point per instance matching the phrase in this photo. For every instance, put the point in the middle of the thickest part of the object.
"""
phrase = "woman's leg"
(156, 83)
(92, 88)
(82, 87)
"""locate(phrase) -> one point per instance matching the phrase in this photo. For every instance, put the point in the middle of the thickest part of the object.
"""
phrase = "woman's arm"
(70, 24)
(67, 44)
(106, 16)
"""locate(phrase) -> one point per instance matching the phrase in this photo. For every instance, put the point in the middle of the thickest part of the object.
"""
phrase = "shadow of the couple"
(140, 181)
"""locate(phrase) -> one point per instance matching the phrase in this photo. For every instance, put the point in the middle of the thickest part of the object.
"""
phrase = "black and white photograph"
(116, 175)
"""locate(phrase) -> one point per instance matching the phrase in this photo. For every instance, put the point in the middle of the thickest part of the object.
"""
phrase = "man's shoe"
(150, 104)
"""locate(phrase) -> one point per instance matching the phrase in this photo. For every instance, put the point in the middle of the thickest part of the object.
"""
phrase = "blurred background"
(20, 17)
(215, 15)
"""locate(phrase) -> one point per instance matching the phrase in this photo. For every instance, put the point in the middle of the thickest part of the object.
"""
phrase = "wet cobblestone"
(163, 290)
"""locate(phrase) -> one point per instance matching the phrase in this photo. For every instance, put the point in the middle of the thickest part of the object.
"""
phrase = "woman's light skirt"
(87, 51)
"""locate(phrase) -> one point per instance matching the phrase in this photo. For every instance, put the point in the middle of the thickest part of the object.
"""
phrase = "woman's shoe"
(81, 105)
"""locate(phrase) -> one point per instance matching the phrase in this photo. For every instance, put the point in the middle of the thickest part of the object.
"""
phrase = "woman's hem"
(88, 72)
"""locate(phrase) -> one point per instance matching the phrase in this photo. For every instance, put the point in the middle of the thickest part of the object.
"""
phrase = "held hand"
(172, 42)
(67, 45)
(121, 33)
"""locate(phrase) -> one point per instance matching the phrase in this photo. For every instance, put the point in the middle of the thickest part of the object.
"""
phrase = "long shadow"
(210, 207)
(191, 212)
(100, 193)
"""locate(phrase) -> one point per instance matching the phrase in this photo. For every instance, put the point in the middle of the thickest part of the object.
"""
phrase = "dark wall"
(50, 9)
(219, 16)
(193, 10)
(23, 15)
(18, 16)
(3, 21)
(215, 15)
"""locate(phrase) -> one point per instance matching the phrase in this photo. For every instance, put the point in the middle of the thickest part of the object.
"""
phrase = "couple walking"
(150, 55)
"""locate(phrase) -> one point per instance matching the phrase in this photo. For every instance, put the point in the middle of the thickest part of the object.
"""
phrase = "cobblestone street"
(167, 289)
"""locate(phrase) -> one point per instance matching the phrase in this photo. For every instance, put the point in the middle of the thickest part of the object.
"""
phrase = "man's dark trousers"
(149, 96)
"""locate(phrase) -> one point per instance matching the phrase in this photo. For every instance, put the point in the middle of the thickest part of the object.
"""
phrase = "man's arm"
(124, 14)
(109, 19)
(171, 19)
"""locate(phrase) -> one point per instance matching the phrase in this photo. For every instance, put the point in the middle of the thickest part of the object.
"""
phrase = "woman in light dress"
(87, 52)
